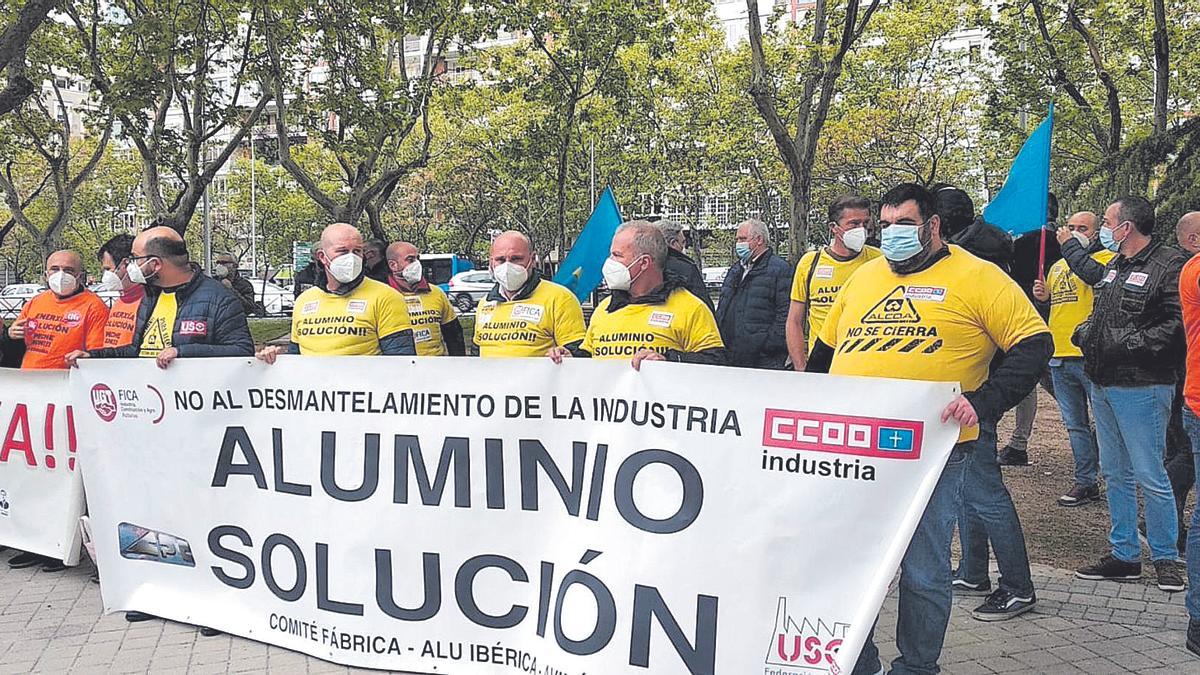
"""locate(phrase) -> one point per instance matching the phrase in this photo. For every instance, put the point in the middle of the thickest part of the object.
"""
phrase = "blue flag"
(580, 272)
(1020, 206)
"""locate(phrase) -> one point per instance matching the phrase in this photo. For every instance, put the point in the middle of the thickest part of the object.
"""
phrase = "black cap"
(954, 207)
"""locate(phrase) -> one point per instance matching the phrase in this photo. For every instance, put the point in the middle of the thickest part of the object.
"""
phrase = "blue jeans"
(925, 577)
(1131, 427)
(988, 514)
(1071, 389)
(1191, 423)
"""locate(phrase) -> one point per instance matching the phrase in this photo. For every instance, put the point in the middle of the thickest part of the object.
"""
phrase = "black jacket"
(209, 321)
(1081, 262)
(1026, 254)
(243, 290)
(752, 313)
(987, 241)
(1134, 336)
(682, 267)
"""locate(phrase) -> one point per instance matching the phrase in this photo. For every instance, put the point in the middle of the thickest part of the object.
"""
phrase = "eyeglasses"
(883, 224)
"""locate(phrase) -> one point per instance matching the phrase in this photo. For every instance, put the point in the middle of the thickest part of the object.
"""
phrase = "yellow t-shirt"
(942, 324)
(428, 311)
(157, 336)
(682, 323)
(1070, 304)
(327, 324)
(549, 317)
(829, 277)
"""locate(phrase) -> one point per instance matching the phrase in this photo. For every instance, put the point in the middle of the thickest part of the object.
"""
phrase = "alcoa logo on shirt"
(843, 434)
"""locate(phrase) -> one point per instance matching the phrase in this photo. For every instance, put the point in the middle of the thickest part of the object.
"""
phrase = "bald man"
(346, 313)
(1070, 299)
(436, 329)
(185, 314)
(1187, 233)
(524, 314)
(58, 321)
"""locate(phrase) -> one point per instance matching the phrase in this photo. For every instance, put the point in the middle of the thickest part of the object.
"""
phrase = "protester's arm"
(1012, 380)
(569, 328)
(820, 359)
(230, 334)
(400, 343)
(1083, 265)
(796, 339)
(712, 357)
(452, 335)
(96, 319)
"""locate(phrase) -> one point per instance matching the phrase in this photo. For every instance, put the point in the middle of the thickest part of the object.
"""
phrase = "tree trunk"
(564, 153)
(800, 187)
(375, 220)
(1162, 63)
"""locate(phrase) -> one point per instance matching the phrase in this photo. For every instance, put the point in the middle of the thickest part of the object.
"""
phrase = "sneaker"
(964, 587)
(1003, 605)
(137, 617)
(1111, 569)
(1169, 577)
(23, 560)
(53, 565)
(1011, 456)
(1193, 637)
(1080, 495)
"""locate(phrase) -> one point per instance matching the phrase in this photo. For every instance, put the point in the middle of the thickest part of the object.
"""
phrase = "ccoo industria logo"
(843, 434)
(806, 645)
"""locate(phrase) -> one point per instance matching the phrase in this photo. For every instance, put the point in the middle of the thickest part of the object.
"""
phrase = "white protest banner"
(41, 490)
(508, 516)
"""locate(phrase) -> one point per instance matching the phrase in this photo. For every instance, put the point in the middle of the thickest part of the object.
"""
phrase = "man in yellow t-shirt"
(1070, 299)
(822, 273)
(346, 313)
(435, 323)
(648, 317)
(524, 314)
(929, 311)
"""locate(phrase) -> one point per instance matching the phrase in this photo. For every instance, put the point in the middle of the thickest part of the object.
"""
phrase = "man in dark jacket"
(755, 299)
(225, 270)
(956, 210)
(680, 266)
(185, 314)
(375, 261)
(1132, 345)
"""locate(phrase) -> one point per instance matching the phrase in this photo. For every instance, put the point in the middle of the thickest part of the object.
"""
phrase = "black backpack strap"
(808, 290)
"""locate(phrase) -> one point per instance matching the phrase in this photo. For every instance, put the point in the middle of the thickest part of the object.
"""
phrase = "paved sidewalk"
(53, 623)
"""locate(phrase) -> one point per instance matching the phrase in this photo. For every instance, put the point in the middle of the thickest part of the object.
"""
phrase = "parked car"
(276, 299)
(440, 268)
(714, 277)
(466, 289)
(14, 297)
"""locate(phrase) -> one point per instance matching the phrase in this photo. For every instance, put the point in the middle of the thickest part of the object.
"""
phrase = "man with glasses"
(1132, 346)
(821, 273)
(932, 311)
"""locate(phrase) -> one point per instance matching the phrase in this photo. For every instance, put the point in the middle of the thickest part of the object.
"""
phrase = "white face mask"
(220, 270)
(510, 276)
(134, 271)
(62, 283)
(1082, 239)
(854, 239)
(346, 267)
(412, 273)
(617, 276)
(110, 281)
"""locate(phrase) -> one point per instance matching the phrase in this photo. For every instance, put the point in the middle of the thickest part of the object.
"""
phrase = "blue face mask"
(742, 249)
(1106, 239)
(900, 242)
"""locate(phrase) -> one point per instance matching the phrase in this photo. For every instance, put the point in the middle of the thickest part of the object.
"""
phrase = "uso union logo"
(104, 402)
(801, 645)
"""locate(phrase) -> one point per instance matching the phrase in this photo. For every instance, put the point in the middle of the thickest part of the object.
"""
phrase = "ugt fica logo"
(104, 402)
(128, 403)
(806, 645)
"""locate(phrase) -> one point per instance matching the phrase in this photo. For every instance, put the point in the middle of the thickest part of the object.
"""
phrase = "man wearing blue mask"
(755, 297)
(932, 311)
(1133, 345)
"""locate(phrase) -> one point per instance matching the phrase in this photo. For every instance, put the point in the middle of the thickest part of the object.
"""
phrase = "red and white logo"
(806, 645)
(193, 328)
(843, 434)
(73, 318)
(104, 402)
